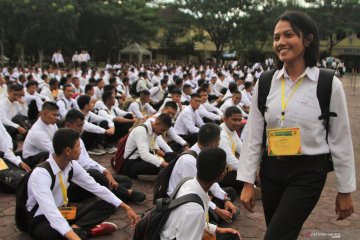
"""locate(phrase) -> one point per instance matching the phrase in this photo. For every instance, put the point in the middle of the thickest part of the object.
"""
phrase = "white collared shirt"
(91, 118)
(189, 220)
(49, 201)
(145, 141)
(86, 162)
(39, 139)
(227, 139)
(65, 105)
(157, 94)
(204, 113)
(6, 146)
(246, 97)
(140, 109)
(229, 103)
(302, 112)
(8, 110)
(186, 167)
(189, 121)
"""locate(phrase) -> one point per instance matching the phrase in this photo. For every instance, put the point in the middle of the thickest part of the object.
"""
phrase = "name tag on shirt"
(284, 141)
(69, 213)
(3, 165)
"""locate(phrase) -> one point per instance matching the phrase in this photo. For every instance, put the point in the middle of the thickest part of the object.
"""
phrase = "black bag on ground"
(162, 180)
(151, 224)
(11, 177)
(22, 216)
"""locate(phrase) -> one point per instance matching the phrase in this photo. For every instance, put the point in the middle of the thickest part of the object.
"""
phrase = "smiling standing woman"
(293, 168)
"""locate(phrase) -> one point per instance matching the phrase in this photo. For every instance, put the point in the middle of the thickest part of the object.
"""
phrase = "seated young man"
(209, 136)
(235, 100)
(96, 128)
(231, 144)
(141, 148)
(175, 97)
(119, 185)
(158, 94)
(66, 102)
(122, 120)
(6, 147)
(206, 115)
(12, 110)
(50, 91)
(176, 141)
(37, 144)
(189, 221)
(186, 94)
(142, 108)
(33, 100)
(47, 221)
(189, 121)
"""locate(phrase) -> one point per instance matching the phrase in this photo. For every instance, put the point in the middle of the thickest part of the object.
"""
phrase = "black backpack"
(133, 91)
(10, 178)
(151, 224)
(162, 180)
(323, 93)
(22, 216)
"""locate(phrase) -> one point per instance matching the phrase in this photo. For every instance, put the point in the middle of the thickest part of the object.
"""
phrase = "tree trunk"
(2, 54)
(41, 57)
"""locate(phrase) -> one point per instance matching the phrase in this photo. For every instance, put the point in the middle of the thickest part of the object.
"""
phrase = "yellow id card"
(69, 213)
(284, 142)
(3, 165)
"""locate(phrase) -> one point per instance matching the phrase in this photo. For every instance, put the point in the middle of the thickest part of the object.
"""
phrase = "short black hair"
(247, 85)
(165, 119)
(49, 106)
(72, 115)
(32, 83)
(195, 95)
(163, 81)
(144, 93)
(112, 80)
(83, 100)
(53, 81)
(66, 86)
(89, 87)
(176, 90)
(171, 104)
(186, 86)
(106, 96)
(304, 25)
(99, 80)
(64, 138)
(109, 88)
(210, 164)
(232, 110)
(208, 133)
(13, 87)
(233, 87)
(236, 92)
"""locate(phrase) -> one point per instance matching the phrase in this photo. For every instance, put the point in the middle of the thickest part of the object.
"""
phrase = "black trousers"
(230, 181)
(32, 161)
(290, 190)
(78, 194)
(191, 138)
(133, 168)
(88, 215)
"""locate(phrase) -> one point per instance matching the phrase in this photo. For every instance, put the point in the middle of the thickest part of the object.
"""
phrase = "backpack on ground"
(151, 224)
(323, 93)
(162, 180)
(117, 162)
(22, 216)
(10, 178)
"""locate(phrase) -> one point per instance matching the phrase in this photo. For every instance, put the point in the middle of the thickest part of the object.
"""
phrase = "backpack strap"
(191, 197)
(178, 186)
(136, 147)
(263, 92)
(323, 92)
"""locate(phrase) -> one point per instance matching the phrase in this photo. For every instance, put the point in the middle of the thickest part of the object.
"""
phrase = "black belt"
(325, 156)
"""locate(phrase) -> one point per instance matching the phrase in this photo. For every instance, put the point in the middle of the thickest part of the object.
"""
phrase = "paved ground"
(321, 224)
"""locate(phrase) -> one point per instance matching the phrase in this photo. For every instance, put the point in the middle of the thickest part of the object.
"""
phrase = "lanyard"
(152, 142)
(283, 102)
(233, 146)
(63, 189)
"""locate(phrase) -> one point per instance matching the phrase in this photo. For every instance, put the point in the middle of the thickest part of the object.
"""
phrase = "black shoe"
(137, 197)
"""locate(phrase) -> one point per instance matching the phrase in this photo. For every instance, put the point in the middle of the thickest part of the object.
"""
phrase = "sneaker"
(96, 151)
(103, 229)
(111, 149)
(137, 197)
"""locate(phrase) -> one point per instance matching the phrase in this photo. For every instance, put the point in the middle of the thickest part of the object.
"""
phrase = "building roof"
(135, 49)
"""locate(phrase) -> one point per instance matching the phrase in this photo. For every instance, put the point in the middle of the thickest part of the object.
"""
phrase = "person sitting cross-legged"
(47, 222)
(119, 185)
